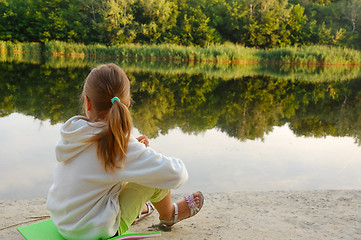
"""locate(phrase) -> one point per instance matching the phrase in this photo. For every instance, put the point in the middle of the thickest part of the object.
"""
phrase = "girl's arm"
(146, 167)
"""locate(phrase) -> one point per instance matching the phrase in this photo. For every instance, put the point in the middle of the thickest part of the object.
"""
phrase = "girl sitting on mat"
(96, 155)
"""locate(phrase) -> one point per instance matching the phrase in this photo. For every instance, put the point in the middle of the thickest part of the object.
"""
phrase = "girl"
(97, 154)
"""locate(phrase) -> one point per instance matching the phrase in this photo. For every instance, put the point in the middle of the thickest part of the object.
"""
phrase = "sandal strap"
(175, 216)
(192, 205)
(150, 210)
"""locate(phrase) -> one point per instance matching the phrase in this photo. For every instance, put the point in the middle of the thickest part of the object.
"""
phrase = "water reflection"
(216, 163)
(245, 107)
(282, 161)
(27, 156)
(267, 132)
(210, 70)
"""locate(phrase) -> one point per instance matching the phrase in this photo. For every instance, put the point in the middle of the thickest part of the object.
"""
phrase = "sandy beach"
(277, 215)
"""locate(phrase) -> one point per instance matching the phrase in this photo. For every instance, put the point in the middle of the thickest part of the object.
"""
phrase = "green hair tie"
(115, 99)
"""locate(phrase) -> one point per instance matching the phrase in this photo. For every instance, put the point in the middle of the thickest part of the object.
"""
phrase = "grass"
(310, 55)
(20, 48)
(220, 53)
(58, 48)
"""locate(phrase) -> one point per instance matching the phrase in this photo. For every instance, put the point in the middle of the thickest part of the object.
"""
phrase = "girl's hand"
(144, 140)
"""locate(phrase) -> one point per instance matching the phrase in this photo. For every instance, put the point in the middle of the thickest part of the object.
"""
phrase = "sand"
(240, 215)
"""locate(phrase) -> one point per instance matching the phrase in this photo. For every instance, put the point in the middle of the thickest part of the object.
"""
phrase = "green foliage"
(252, 23)
(217, 53)
(244, 107)
(67, 49)
(297, 24)
(155, 19)
(40, 91)
(312, 55)
(19, 48)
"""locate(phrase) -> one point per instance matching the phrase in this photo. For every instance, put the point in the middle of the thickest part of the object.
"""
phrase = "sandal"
(150, 210)
(166, 225)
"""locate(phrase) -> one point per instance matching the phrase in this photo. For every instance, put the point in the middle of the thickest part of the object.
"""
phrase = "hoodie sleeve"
(146, 167)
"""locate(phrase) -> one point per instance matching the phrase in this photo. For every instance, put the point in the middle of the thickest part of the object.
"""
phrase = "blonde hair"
(102, 84)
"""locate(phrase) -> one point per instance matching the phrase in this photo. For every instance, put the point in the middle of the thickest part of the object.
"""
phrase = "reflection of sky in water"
(216, 162)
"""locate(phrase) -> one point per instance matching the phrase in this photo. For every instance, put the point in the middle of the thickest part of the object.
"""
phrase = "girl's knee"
(159, 194)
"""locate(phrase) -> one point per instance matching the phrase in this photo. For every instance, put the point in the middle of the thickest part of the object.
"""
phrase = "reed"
(19, 48)
(214, 53)
(3, 51)
(31, 48)
(2, 46)
(59, 48)
(219, 53)
(228, 52)
(309, 55)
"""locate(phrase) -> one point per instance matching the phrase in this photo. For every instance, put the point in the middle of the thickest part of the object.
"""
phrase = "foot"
(186, 208)
(147, 210)
(144, 209)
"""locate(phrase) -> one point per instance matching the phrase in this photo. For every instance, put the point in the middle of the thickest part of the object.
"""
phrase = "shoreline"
(319, 214)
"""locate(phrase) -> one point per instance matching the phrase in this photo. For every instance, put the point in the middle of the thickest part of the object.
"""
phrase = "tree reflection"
(40, 91)
(246, 107)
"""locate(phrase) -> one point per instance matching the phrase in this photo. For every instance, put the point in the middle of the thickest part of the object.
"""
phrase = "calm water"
(237, 128)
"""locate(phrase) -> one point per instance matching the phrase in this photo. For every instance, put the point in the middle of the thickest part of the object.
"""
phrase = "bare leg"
(165, 207)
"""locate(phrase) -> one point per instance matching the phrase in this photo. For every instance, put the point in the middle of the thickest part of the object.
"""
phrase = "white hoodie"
(83, 199)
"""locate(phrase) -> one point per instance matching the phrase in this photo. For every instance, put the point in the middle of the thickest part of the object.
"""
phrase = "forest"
(261, 24)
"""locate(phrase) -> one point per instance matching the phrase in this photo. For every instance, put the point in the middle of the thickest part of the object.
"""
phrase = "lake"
(237, 127)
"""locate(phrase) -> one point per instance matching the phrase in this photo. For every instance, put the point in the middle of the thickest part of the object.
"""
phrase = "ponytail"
(107, 87)
(120, 124)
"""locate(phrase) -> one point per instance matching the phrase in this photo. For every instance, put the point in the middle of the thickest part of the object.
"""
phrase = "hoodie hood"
(74, 137)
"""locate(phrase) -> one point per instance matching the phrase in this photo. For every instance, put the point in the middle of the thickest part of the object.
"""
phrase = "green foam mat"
(46, 230)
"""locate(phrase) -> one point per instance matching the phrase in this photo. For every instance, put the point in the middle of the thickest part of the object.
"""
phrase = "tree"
(297, 24)
(351, 10)
(155, 19)
(193, 25)
(267, 23)
(14, 20)
(229, 18)
(111, 20)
